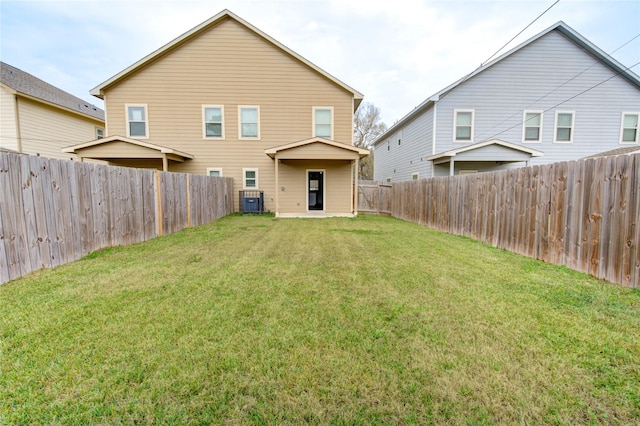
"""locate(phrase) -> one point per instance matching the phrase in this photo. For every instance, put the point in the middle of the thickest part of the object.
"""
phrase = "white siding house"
(556, 97)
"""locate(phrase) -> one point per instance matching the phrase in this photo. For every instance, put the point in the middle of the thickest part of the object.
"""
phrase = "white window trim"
(244, 178)
(146, 121)
(99, 129)
(524, 125)
(415, 176)
(204, 122)
(313, 120)
(473, 121)
(240, 108)
(573, 127)
(637, 141)
(387, 179)
(214, 169)
(324, 188)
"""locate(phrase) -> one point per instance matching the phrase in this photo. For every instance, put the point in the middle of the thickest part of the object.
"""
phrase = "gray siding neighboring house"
(556, 97)
(38, 118)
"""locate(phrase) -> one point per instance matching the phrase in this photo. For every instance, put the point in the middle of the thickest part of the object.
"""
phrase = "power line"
(567, 100)
(507, 43)
(523, 30)
(600, 61)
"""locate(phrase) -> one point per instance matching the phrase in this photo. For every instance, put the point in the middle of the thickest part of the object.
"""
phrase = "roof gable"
(129, 141)
(32, 87)
(484, 145)
(350, 149)
(568, 32)
(195, 32)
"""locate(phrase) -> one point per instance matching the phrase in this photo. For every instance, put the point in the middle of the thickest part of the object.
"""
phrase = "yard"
(343, 321)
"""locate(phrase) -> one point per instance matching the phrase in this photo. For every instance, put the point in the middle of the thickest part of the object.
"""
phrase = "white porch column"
(451, 167)
(277, 188)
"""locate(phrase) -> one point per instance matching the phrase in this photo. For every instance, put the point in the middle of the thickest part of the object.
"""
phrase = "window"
(250, 178)
(213, 118)
(388, 146)
(99, 133)
(214, 171)
(564, 127)
(463, 125)
(249, 122)
(388, 180)
(629, 132)
(415, 176)
(137, 124)
(323, 122)
(532, 126)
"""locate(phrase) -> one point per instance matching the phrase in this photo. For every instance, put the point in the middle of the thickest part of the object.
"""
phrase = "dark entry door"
(316, 192)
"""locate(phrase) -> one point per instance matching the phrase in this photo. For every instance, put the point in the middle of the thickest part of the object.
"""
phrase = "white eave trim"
(160, 148)
(271, 152)
(454, 152)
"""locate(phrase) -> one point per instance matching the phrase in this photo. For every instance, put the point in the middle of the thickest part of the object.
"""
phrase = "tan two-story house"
(37, 118)
(225, 99)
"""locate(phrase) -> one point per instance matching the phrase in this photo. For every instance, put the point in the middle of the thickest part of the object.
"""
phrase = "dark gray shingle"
(25, 83)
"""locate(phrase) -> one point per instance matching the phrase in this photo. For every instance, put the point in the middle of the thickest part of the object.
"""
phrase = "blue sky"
(395, 52)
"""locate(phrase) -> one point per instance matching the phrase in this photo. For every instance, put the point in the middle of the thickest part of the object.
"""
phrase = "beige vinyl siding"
(45, 130)
(337, 191)
(229, 66)
(8, 129)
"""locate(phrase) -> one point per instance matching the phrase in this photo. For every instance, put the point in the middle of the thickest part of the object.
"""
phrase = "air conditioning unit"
(251, 201)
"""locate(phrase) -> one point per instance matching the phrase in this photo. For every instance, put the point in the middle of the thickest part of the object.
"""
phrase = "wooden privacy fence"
(53, 212)
(582, 214)
(374, 197)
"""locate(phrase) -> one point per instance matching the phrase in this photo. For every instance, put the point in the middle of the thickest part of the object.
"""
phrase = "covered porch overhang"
(121, 150)
(318, 150)
(494, 151)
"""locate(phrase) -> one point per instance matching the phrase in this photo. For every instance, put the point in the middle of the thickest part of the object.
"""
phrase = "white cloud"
(396, 52)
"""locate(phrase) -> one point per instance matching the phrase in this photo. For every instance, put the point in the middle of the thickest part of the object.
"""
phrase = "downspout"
(18, 131)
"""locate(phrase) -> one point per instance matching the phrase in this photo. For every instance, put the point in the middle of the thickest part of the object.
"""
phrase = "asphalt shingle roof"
(619, 151)
(27, 84)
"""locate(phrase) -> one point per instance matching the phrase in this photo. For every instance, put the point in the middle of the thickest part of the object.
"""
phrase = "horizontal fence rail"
(53, 212)
(582, 214)
(374, 197)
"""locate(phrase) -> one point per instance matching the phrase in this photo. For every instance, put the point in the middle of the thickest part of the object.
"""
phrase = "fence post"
(188, 200)
(159, 203)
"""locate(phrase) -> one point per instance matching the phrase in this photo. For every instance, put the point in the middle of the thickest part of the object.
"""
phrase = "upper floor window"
(564, 127)
(629, 132)
(532, 126)
(463, 125)
(249, 122)
(99, 133)
(137, 123)
(323, 122)
(213, 116)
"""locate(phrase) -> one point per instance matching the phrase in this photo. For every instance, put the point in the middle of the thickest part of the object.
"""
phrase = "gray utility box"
(252, 201)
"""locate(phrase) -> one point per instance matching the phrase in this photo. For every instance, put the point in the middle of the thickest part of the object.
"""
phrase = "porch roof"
(491, 150)
(316, 149)
(114, 148)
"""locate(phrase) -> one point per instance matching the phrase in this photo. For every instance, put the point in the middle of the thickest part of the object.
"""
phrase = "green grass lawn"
(344, 321)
